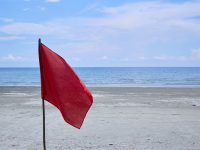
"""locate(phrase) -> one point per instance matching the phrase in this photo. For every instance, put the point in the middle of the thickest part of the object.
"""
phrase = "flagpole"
(44, 139)
(43, 103)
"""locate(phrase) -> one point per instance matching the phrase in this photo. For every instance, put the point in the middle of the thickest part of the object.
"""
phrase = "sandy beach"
(121, 118)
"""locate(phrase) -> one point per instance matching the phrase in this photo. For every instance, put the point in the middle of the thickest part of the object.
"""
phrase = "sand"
(120, 119)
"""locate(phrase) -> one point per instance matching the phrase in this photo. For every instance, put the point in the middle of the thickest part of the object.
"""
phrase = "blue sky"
(93, 33)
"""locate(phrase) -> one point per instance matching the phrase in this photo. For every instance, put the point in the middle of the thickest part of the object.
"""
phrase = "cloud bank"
(133, 31)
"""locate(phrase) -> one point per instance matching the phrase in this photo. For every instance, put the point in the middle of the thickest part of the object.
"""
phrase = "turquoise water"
(108, 76)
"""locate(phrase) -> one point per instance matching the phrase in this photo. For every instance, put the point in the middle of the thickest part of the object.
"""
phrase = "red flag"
(63, 88)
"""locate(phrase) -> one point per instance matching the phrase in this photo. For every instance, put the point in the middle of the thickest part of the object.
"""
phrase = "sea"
(112, 76)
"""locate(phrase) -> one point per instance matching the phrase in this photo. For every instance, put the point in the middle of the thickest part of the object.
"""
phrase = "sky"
(101, 33)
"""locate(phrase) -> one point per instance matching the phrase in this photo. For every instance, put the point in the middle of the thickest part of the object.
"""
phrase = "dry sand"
(120, 119)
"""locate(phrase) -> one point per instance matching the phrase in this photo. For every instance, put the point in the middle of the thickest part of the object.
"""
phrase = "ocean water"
(112, 76)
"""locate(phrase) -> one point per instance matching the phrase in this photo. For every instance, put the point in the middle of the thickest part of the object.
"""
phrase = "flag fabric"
(61, 86)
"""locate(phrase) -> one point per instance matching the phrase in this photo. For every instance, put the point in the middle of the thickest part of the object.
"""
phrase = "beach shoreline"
(160, 118)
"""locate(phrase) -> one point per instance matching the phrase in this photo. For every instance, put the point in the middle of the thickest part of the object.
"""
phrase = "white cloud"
(142, 58)
(175, 58)
(153, 16)
(42, 8)
(26, 9)
(77, 59)
(165, 58)
(52, 1)
(7, 20)
(11, 57)
(195, 54)
(128, 28)
(8, 38)
(162, 57)
(91, 7)
(125, 59)
(104, 57)
(34, 28)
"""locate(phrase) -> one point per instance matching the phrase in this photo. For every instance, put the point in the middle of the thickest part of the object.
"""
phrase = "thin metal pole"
(43, 109)
(43, 103)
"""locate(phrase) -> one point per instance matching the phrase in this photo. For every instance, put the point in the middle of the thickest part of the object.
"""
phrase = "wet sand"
(120, 119)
